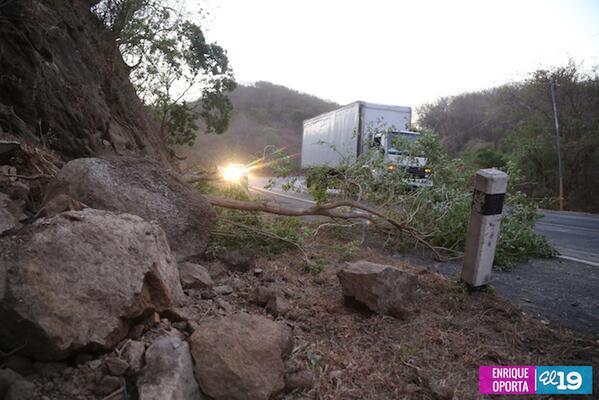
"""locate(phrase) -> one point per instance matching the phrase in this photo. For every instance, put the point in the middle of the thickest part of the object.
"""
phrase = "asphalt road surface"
(562, 291)
(575, 235)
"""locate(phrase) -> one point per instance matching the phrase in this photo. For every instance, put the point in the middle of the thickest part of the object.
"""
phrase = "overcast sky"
(400, 52)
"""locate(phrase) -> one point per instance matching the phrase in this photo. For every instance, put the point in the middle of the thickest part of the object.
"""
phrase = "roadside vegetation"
(514, 125)
(401, 216)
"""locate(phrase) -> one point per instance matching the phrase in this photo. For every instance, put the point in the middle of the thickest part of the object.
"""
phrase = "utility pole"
(559, 151)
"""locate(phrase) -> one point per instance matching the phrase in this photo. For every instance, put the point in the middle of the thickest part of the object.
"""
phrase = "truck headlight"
(391, 167)
(233, 172)
(427, 171)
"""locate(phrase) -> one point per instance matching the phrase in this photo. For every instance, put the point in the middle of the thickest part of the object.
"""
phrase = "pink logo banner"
(507, 379)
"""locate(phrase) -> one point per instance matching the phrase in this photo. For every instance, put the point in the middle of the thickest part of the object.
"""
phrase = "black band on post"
(487, 204)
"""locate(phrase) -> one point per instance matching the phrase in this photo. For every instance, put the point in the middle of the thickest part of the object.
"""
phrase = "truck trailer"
(358, 128)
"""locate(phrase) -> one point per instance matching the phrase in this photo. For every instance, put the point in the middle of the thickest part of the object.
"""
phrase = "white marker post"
(483, 230)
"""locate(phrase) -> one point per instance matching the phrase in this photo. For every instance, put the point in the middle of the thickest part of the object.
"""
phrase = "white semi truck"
(358, 128)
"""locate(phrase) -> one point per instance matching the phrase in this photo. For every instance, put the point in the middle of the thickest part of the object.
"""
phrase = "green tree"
(170, 59)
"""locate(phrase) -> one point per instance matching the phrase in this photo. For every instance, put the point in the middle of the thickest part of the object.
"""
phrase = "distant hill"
(264, 114)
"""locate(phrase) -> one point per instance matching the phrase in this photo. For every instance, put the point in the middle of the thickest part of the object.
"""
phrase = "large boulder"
(384, 289)
(72, 281)
(168, 374)
(141, 187)
(240, 357)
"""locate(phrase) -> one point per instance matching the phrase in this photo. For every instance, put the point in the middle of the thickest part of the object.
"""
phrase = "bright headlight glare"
(232, 172)
(428, 170)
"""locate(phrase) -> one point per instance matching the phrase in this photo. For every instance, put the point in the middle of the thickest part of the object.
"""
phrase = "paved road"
(575, 235)
(563, 291)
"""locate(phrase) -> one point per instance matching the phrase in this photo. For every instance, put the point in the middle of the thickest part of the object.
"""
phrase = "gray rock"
(239, 260)
(7, 378)
(20, 390)
(74, 280)
(9, 213)
(116, 366)
(133, 353)
(108, 384)
(207, 294)
(194, 276)
(384, 289)
(168, 374)
(182, 325)
(223, 290)
(224, 305)
(18, 191)
(240, 357)
(278, 305)
(273, 299)
(49, 369)
(141, 187)
(216, 270)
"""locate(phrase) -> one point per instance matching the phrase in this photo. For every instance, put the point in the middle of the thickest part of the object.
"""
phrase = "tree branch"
(330, 210)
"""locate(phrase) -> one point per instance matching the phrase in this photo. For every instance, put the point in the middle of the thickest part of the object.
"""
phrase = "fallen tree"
(333, 210)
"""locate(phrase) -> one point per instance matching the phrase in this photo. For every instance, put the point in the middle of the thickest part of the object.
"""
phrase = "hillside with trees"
(263, 114)
(514, 125)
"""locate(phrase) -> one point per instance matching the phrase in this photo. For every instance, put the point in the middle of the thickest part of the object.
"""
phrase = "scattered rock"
(194, 276)
(152, 319)
(223, 290)
(141, 187)
(168, 374)
(239, 260)
(384, 289)
(136, 331)
(116, 366)
(299, 380)
(18, 191)
(20, 390)
(133, 354)
(263, 294)
(9, 213)
(258, 271)
(107, 385)
(49, 369)
(216, 270)
(207, 294)
(75, 279)
(224, 305)
(278, 305)
(182, 325)
(240, 357)
(273, 299)
(7, 173)
(94, 364)
(7, 378)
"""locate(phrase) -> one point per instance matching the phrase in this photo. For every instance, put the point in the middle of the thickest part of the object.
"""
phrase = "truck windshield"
(399, 143)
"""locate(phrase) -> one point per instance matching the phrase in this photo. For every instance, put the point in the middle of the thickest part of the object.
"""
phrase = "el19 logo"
(564, 379)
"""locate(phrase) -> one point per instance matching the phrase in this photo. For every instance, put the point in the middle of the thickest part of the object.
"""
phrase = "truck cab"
(392, 145)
